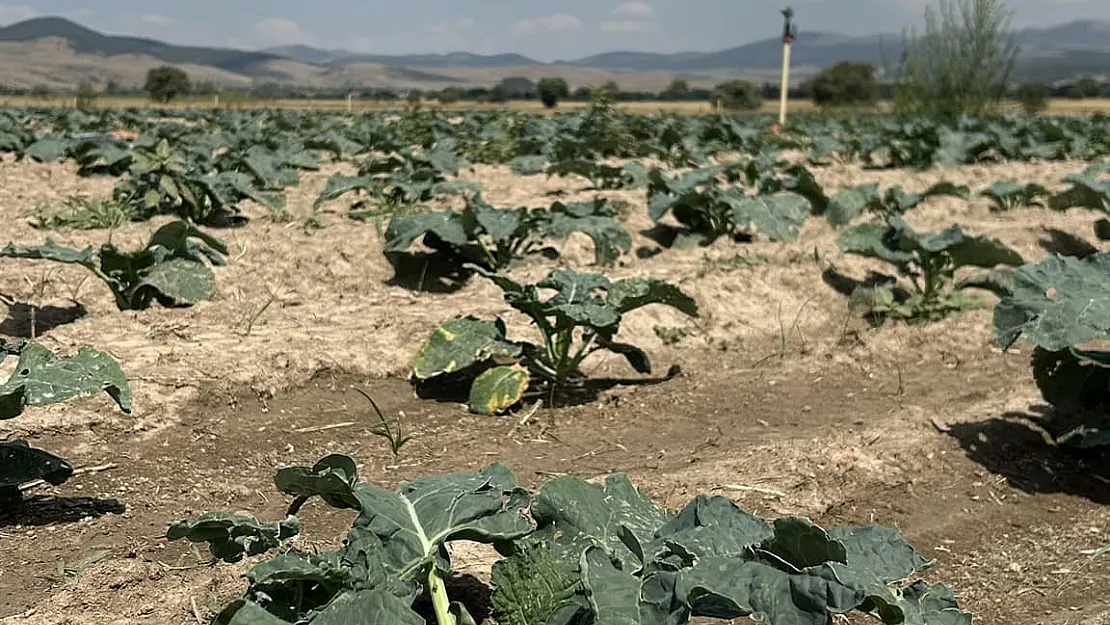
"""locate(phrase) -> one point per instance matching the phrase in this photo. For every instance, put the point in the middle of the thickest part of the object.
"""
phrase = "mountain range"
(55, 52)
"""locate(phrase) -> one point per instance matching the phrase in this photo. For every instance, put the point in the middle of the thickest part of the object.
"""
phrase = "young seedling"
(395, 438)
(930, 262)
(581, 317)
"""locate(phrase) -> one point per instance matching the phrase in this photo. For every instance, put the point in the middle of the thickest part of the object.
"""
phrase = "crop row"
(611, 554)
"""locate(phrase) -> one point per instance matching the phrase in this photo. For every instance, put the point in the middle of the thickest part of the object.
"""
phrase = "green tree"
(1087, 87)
(960, 65)
(519, 87)
(86, 95)
(450, 95)
(498, 94)
(612, 88)
(678, 90)
(164, 83)
(738, 95)
(844, 84)
(1034, 97)
(551, 90)
(415, 96)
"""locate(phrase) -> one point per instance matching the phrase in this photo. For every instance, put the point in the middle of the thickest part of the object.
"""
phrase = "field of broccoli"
(588, 368)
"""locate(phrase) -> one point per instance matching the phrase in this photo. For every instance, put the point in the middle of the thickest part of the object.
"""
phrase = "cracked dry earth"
(785, 403)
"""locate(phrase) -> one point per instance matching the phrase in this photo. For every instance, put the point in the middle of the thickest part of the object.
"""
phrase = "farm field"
(779, 394)
(1056, 106)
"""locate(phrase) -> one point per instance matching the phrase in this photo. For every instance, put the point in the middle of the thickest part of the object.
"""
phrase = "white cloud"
(624, 27)
(12, 13)
(279, 31)
(558, 23)
(157, 20)
(453, 26)
(631, 17)
(634, 11)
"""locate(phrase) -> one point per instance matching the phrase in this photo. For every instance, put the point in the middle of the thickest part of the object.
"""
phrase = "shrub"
(551, 90)
(678, 90)
(86, 95)
(1087, 87)
(960, 65)
(450, 95)
(1034, 97)
(844, 84)
(738, 95)
(165, 83)
(498, 94)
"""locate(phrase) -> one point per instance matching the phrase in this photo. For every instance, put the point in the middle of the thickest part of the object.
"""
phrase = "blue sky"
(543, 30)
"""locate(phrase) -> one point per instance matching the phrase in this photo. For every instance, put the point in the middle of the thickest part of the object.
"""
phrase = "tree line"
(962, 64)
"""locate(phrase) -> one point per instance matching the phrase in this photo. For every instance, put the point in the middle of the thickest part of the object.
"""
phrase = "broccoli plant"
(163, 181)
(930, 261)
(1010, 194)
(1060, 305)
(850, 203)
(169, 269)
(385, 183)
(40, 378)
(1089, 189)
(708, 210)
(581, 317)
(493, 238)
(576, 552)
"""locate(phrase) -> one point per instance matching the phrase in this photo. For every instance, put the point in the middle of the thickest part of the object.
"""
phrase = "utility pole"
(789, 31)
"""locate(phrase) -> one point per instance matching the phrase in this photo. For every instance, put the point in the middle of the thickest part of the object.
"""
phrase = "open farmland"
(807, 385)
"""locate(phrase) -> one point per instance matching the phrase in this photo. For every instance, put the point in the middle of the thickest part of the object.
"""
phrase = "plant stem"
(438, 591)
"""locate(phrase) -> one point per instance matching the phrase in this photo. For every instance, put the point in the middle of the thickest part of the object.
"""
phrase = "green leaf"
(635, 356)
(871, 241)
(447, 226)
(848, 204)
(414, 523)
(617, 597)
(231, 537)
(632, 293)
(577, 298)
(609, 236)
(530, 588)
(497, 389)
(51, 251)
(779, 217)
(20, 463)
(802, 544)
(348, 608)
(41, 378)
(47, 149)
(730, 588)
(1057, 303)
(500, 224)
(615, 516)
(332, 478)
(176, 282)
(460, 343)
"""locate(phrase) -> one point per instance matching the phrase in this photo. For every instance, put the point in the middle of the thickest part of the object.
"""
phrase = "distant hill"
(1044, 49)
(306, 54)
(86, 41)
(56, 52)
